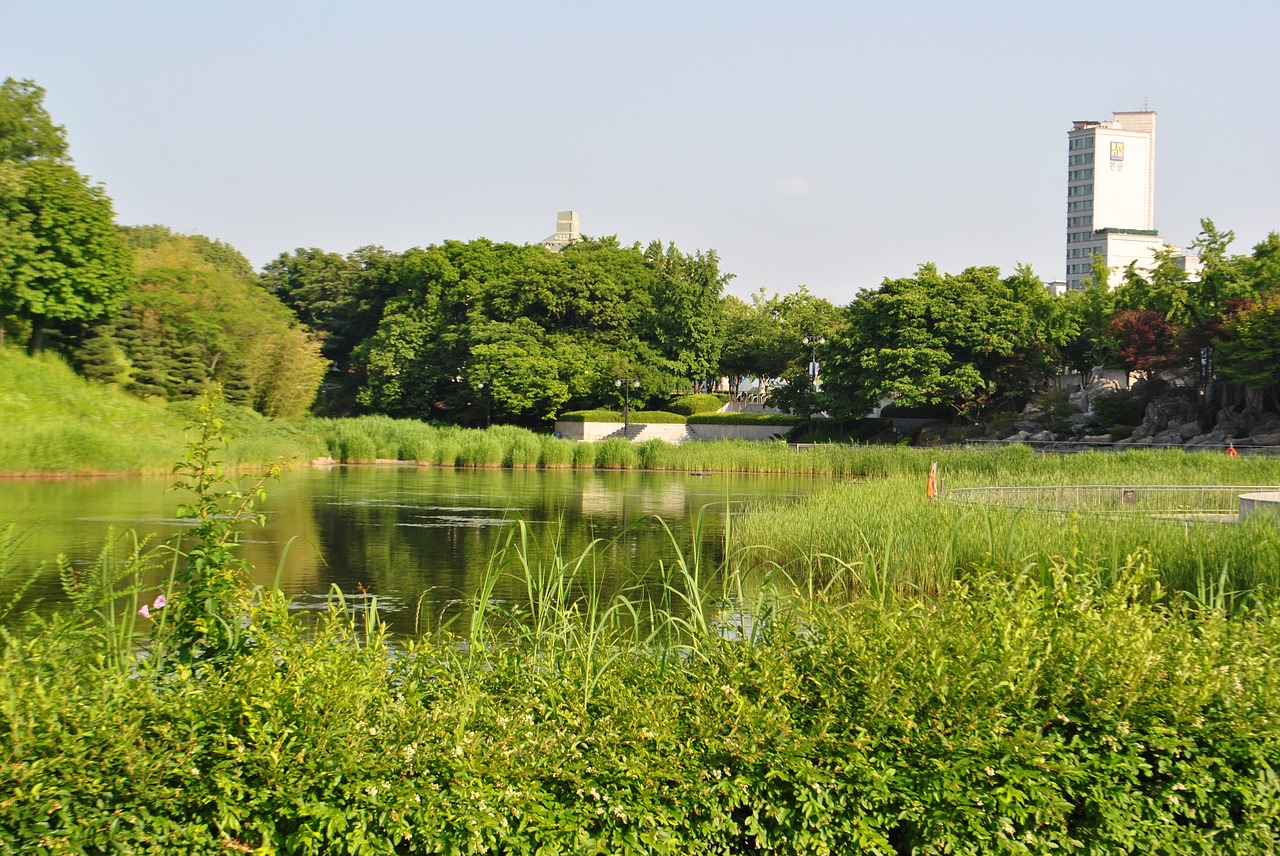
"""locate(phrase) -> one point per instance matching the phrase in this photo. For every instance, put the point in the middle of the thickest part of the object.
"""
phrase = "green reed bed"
(888, 533)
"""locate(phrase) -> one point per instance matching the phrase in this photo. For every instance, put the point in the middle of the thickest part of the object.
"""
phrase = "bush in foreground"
(1008, 715)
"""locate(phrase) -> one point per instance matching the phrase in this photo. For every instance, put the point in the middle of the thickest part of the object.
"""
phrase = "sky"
(824, 144)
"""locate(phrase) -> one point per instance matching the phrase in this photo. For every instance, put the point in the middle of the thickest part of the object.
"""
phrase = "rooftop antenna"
(1146, 107)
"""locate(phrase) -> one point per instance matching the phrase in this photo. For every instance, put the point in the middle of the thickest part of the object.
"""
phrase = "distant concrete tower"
(1111, 195)
(566, 232)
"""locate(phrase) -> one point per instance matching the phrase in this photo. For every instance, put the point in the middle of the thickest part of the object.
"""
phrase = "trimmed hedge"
(637, 416)
(745, 419)
(597, 415)
(688, 405)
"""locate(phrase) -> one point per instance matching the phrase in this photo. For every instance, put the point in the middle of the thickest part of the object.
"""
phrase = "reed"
(889, 531)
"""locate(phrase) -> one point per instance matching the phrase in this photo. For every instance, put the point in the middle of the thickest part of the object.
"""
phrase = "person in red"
(1231, 451)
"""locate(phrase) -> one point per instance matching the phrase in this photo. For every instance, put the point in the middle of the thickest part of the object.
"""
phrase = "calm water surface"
(419, 539)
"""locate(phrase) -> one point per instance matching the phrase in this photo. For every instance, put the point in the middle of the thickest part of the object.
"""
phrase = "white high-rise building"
(1111, 195)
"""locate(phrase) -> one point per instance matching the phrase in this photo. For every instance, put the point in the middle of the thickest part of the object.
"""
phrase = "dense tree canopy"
(475, 330)
(61, 260)
(961, 340)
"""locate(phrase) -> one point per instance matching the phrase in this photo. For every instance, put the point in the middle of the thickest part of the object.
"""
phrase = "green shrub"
(1116, 408)
(602, 415)
(1063, 712)
(688, 405)
(656, 417)
(745, 419)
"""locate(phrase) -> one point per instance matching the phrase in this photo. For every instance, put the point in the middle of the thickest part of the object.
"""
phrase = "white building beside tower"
(1111, 195)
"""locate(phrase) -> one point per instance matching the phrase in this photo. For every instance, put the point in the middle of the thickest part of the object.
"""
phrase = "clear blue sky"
(830, 144)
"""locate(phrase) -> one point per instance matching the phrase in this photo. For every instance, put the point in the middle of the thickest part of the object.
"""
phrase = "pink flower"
(159, 603)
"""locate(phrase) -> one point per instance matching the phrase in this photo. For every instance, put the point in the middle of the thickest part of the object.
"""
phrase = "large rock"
(1265, 439)
(1187, 430)
(1081, 399)
(1083, 420)
(1165, 411)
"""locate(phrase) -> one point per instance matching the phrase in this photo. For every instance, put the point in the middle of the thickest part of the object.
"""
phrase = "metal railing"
(1071, 446)
(1125, 500)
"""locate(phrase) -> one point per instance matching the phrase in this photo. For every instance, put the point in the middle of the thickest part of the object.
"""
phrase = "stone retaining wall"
(670, 432)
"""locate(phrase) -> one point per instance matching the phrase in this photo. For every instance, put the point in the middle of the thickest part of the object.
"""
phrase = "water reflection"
(418, 539)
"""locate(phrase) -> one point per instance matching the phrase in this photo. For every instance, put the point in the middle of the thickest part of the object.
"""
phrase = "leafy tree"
(515, 371)
(1083, 325)
(340, 297)
(70, 264)
(1164, 289)
(1147, 341)
(190, 318)
(544, 332)
(1260, 270)
(27, 132)
(933, 340)
(61, 260)
(1249, 353)
(159, 246)
(688, 328)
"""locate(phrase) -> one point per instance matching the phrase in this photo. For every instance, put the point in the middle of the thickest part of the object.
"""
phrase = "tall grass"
(887, 531)
(54, 421)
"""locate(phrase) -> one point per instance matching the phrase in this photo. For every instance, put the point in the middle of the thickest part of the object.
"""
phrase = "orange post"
(931, 486)
(1231, 451)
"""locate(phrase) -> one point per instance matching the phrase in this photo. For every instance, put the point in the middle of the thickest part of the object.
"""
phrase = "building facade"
(1111, 195)
(566, 232)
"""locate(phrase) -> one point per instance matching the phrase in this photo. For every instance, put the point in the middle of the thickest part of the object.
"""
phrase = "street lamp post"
(815, 341)
(626, 385)
(487, 400)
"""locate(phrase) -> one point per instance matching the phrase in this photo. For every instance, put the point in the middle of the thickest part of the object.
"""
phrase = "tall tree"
(72, 266)
(62, 260)
(26, 130)
(933, 339)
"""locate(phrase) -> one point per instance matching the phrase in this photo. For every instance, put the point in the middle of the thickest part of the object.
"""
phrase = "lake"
(419, 539)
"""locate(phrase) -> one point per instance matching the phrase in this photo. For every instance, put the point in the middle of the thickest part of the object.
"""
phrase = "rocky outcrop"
(1169, 418)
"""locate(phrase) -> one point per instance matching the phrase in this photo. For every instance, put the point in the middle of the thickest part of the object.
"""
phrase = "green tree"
(341, 298)
(1083, 325)
(27, 132)
(933, 339)
(1249, 353)
(193, 315)
(99, 356)
(687, 326)
(73, 266)
(516, 372)
(62, 261)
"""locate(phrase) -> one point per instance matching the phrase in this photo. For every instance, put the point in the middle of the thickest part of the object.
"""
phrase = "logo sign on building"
(1117, 151)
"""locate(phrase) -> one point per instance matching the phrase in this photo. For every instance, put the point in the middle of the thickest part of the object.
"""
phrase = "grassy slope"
(54, 421)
